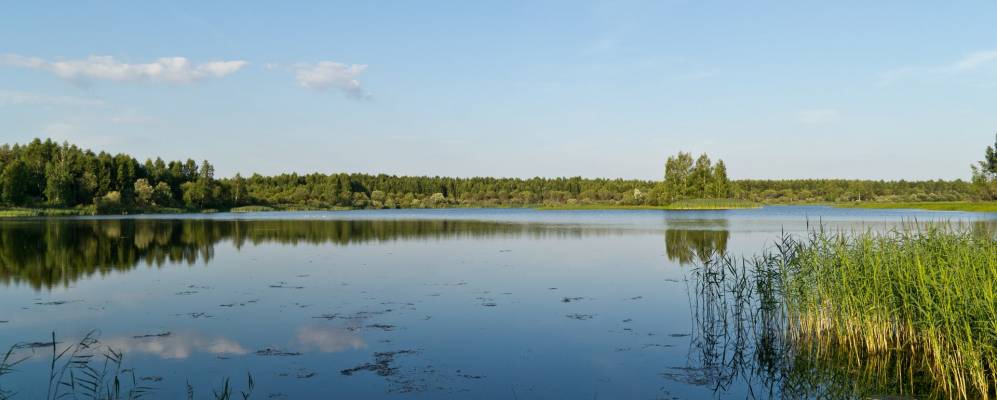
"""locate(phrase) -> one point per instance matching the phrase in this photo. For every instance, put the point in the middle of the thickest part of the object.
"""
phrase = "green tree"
(162, 195)
(702, 177)
(16, 183)
(240, 193)
(678, 170)
(143, 193)
(720, 189)
(985, 173)
(59, 190)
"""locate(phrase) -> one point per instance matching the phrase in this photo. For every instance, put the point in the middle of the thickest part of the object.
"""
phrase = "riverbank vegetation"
(45, 175)
(909, 312)
(971, 206)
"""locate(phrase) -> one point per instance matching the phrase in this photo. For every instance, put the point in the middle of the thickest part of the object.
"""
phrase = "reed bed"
(926, 297)
(910, 313)
(711, 204)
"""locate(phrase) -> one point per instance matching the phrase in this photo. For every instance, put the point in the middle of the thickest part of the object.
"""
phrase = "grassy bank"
(27, 212)
(693, 204)
(22, 212)
(926, 300)
(972, 206)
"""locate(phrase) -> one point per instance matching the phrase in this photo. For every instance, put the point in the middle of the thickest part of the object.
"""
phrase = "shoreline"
(956, 206)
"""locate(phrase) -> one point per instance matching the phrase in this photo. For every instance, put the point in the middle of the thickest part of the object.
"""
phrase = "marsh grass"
(45, 212)
(910, 312)
(969, 206)
(245, 209)
(711, 204)
(927, 297)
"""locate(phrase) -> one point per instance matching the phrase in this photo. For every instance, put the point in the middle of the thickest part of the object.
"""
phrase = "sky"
(839, 89)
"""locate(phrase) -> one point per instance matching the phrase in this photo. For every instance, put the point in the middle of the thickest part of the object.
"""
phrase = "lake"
(455, 303)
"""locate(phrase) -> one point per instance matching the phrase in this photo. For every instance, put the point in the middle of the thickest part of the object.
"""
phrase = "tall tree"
(702, 177)
(16, 182)
(678, 170)
(720, 188)
(985, 173)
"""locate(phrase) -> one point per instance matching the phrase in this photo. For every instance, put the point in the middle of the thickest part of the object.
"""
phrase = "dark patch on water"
(383, 327)
(153, 335)
(151, 379)
(186, 293)
(382, 365)
(354, 316)
(285, 285)
(196, 315)
(580, 317)
(679, 335)
(57, 302)
(570, 299)
(468, 376)
(275, 352)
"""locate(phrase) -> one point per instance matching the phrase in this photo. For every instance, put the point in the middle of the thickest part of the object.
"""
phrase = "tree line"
(49, 174)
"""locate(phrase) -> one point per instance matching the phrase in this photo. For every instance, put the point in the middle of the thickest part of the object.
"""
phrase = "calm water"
(391, 304)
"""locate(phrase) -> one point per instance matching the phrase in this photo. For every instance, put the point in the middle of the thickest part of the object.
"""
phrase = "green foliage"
(700, 180)
(970, 206)
(16, 182)
(44, 173)
(143, 193)
(931, 292)
(985, 173)
(109, 203)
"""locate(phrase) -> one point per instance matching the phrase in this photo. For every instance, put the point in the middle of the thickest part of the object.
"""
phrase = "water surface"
(402, 303)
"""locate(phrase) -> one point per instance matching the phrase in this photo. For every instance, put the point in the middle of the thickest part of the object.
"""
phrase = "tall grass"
(833, 314)
(926, 297)
(711, 204)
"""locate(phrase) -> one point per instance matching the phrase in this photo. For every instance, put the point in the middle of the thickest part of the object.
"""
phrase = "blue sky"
(880, 90)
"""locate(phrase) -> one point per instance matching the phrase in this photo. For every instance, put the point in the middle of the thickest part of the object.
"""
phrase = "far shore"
(964, 206)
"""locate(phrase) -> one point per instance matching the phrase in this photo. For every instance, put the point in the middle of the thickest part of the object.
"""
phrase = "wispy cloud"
(167, 69)
(818, 116)
(331, 75)
(11, 97)
(969, 63)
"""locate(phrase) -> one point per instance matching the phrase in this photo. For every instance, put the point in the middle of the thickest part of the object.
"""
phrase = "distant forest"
(49, 174)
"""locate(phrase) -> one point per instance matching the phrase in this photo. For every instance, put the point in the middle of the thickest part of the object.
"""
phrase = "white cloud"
(975, 60)
(967, 64)
(818, 116)
(328, 75)
(10, 97)
(167, 69)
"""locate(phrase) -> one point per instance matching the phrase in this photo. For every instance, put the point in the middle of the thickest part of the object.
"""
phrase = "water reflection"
(50, 253)
(175, 345)
(695, 241)
(330, 340)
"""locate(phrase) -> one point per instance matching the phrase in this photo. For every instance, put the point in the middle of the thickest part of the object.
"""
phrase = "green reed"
(853, 315)
(926, 297)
